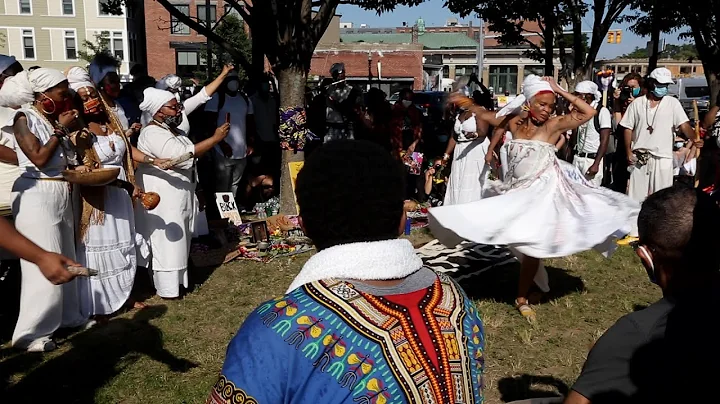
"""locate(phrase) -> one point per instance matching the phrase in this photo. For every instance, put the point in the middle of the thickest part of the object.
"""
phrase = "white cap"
(662, 75)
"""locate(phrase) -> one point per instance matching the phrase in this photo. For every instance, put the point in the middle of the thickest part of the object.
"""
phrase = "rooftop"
(429, 40)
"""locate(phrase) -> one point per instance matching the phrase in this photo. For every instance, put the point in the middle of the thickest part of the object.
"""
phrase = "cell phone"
(227, 117)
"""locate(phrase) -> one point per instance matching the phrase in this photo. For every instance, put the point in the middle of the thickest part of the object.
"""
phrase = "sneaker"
(627, 240)
(42, 345)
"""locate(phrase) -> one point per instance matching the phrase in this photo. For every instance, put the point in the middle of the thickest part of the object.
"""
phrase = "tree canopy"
(677, 52)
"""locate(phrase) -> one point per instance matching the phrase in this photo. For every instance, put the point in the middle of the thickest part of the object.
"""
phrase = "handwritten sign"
(228, 208)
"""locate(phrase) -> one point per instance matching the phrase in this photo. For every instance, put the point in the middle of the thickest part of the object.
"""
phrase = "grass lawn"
(172, 351)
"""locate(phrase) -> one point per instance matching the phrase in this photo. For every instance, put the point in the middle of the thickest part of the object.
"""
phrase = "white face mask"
(679, 145)
(406, 103)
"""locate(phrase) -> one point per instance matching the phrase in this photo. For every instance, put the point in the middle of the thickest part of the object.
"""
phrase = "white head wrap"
(6, 61)
(43, 79)
(532, 86)
(16, 91)
(98, 72)
(154, 99)
(79, 78)
(588, 87)
(169, 82)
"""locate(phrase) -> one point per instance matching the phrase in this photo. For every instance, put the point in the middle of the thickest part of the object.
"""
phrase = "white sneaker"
(90, 324)
(42, 345)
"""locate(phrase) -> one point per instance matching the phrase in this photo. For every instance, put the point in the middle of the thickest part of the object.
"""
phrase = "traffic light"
(618, 36)
(611, 37)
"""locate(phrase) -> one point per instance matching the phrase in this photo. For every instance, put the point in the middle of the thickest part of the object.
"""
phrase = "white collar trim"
(371, 261)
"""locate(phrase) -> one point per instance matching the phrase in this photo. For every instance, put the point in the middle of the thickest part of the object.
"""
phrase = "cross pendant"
(650, 129)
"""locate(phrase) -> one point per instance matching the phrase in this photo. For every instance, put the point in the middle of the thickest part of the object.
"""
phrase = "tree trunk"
(549, 53)
(291, 83)
(655, 53)
(712, 73)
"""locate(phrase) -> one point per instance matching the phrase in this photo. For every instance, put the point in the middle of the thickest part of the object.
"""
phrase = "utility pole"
(481, 51)
(208, 44)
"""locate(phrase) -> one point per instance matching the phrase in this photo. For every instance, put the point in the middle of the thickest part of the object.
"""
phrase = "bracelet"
(150, 160)
(446, 157)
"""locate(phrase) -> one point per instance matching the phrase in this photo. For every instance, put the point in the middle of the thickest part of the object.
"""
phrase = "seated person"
(666, 353)
(364, 321)
(433, 187)
(684, 161)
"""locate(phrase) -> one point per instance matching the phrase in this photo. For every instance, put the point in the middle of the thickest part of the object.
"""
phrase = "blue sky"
(434, 14)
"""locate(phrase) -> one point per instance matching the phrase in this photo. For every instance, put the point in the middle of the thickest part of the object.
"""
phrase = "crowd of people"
(364, 320)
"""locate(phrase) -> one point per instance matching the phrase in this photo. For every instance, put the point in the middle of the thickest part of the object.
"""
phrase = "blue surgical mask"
(660, 91)
(636, 92)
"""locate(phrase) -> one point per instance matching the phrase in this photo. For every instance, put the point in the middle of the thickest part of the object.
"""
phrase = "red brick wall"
(400, 64)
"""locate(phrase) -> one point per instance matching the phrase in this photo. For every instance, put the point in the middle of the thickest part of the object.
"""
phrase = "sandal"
(526, 311)
(627, 240)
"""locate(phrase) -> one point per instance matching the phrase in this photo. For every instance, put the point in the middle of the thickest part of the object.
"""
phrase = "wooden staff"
(696, 114)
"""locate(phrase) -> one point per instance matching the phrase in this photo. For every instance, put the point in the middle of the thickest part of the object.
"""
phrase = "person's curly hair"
(350, 191)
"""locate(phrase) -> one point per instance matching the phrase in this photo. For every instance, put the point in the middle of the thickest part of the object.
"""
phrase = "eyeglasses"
(177, 107)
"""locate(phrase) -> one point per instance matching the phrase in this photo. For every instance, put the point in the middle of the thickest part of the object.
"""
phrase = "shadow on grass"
(94, 359)
(500, 284)
(529, 386)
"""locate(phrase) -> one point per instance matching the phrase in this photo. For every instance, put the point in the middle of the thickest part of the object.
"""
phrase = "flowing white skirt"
(109, 248)
(546, 208)
(469, 172)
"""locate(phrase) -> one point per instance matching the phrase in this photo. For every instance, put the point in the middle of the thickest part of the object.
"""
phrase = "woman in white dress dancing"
(545, 208)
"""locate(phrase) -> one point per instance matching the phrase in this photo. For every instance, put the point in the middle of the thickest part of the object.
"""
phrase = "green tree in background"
(101, 45)
(232, 29)
(677, 52)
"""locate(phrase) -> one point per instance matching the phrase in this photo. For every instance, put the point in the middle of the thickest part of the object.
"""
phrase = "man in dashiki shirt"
(364, 321)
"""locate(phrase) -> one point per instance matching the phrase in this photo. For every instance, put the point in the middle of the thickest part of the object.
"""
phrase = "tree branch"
(322, 19)
(207, 32)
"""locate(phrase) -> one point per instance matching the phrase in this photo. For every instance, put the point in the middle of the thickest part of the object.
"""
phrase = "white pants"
(43, 214)
(584, 163)
(645, 180)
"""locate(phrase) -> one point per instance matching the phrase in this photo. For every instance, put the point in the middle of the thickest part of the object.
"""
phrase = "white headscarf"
(16, 91)
(154, 99)
(98, 72)
(588, 87)
(532, 86)
(169, 82)
(6, 61)
(43, 79)
(79, 78)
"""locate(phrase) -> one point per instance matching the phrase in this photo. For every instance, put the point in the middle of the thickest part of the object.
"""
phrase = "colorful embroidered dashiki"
(330, 342)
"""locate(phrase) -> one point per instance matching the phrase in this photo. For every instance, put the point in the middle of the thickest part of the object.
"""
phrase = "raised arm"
(212, 88)
(582, 112)
(480, 112)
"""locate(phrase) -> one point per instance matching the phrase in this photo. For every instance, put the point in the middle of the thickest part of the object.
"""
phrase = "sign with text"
(228, 209)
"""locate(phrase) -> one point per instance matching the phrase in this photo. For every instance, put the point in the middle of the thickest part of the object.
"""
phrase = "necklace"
(651, 125)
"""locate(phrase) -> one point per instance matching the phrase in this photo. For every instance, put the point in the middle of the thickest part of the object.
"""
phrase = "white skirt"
(546, 208)
(110, 249)
(469, 172)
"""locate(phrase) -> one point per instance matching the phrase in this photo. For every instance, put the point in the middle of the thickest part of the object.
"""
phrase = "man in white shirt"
(9, 170)
(592, 137)
(650, 124)
(230, 155)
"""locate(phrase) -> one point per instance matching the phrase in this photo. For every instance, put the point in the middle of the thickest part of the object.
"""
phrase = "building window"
(465, 70)
(102, 5)
(68, 8)
(176, 27)
(201, 13)
(446, 71)
(132, 46)
(623, 69)
(28, 44)
(25, 7)
(686, 69)
(116, 45)
(503, 78)
(189, 62)
(476, 35)
(536, 70)
(70, 45)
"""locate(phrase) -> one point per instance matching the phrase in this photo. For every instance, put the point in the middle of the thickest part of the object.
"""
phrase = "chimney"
(414, 35)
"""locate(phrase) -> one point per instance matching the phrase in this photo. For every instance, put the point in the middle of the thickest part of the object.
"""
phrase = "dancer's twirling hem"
(545, 207)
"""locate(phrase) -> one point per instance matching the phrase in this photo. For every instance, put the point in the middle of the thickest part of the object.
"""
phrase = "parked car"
(688, 90)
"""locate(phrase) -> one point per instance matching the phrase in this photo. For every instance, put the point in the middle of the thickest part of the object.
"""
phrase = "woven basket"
(97, 177)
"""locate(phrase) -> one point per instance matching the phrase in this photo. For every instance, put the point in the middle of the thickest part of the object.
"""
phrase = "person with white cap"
(168, 228)
(593, 136)
(107, 238)
(650, 125)
(43, 204)
(545, 207)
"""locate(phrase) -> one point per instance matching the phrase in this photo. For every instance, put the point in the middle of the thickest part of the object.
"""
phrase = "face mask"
(174, 121)
(406, 103)
(660, 91)
(233, 86)
(636, 92)
(679, 145)
(50, 107)
(91, 106)
(109, 90)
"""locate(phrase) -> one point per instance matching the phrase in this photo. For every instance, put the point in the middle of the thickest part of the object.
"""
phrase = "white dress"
(469, 172)
(109, 247)
(167, 228)
(42, 206)
(545, 208)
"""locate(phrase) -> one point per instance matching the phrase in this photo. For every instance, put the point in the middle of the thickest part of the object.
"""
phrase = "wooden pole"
(696, 115)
